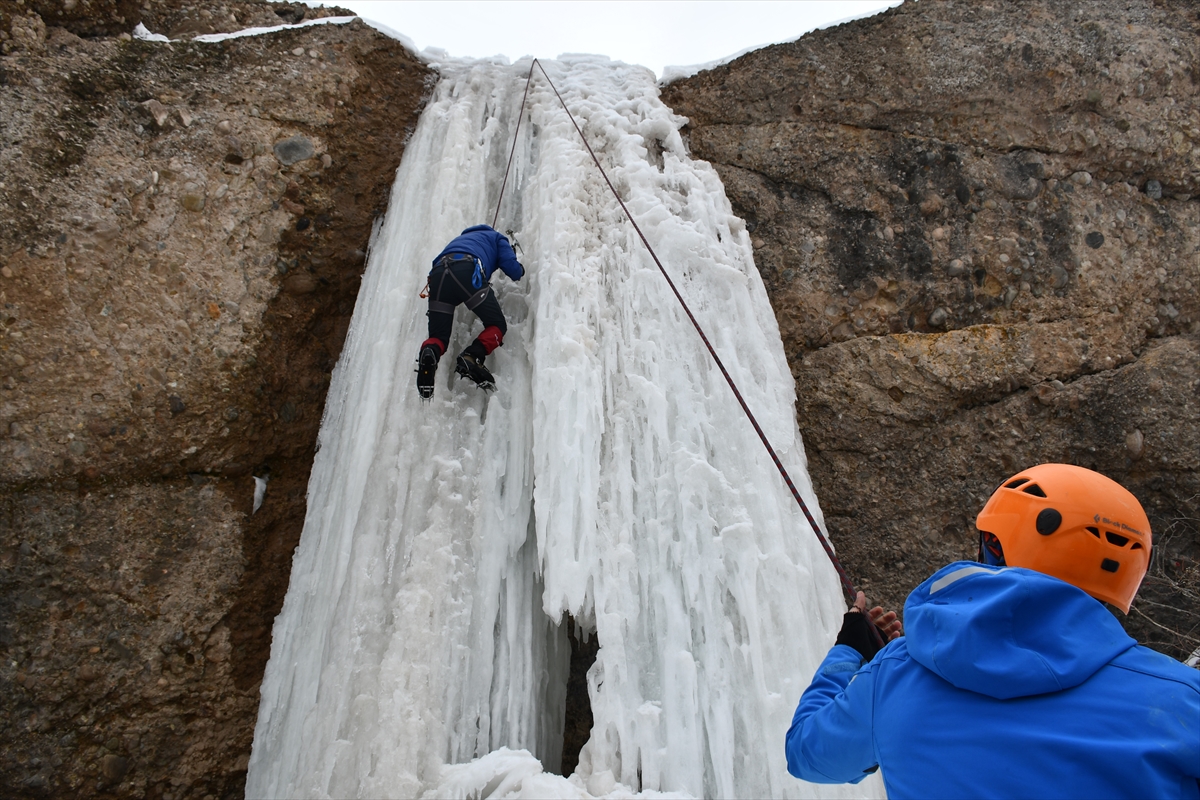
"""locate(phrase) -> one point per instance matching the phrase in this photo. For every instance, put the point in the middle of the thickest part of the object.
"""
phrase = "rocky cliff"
(975, 219)
(978, 226)
(185, 227)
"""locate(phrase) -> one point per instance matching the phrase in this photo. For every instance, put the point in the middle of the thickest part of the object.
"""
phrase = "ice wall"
(422, 645)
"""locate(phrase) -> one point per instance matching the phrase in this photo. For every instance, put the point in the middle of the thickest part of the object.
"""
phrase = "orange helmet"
(1075, 525)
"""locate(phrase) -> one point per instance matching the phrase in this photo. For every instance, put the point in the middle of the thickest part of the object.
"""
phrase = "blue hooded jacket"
(489, 246)
(1009, 683)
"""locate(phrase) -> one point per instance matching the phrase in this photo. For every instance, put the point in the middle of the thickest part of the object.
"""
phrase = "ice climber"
(1013, 679)
(461, 274)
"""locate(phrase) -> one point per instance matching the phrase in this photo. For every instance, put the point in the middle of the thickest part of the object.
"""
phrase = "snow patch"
(141, 32)
(505, 773)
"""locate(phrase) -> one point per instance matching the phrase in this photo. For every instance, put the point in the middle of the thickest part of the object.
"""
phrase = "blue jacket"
(1009, 683)
(489, 246)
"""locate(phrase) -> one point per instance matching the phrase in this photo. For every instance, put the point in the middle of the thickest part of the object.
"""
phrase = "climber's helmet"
(1071, 523)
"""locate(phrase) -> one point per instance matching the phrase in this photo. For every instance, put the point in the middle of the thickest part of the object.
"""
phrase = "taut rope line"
(847, 584)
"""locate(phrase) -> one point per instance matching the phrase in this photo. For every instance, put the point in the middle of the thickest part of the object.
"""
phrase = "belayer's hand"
(888, 622)
(856, 627)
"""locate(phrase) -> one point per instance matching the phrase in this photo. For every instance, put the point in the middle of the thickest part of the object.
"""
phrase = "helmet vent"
(1034, 490)
(1136, 546)
(1108, 565)
(1093, 531)
(1116, 538)
(1016, 483)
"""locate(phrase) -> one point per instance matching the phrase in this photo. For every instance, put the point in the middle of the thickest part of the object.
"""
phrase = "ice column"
(611, 476)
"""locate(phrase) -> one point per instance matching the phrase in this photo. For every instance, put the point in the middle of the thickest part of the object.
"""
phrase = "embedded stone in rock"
(192, 201)
(937, 318)
(113, 767)
(299, 284)
(235, 154)
(1154, 190)
(1058, 277)
(1094, 239)
(1134, 442)
(106, 231)
(290, 151)
(157, 111)
(177, 405)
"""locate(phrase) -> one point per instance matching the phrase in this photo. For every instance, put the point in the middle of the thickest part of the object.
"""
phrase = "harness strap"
(477, 298)
(438, 307)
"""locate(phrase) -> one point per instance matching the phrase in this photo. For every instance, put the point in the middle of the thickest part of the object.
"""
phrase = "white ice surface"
(422, 644)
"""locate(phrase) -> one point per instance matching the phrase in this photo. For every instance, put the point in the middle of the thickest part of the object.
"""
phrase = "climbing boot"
(427, 363)
(471, 366)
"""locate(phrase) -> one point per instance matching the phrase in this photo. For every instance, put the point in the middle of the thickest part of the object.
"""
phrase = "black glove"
(856, 632)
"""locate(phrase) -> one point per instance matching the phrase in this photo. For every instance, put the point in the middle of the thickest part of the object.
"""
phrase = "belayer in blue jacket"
(1013, 680)
(461, 274)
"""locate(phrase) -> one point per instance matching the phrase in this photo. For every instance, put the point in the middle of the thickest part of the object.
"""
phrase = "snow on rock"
(143, 33)
(612, 477)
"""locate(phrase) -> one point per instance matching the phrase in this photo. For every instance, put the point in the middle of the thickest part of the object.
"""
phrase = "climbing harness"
(847, 584)
(475, 295)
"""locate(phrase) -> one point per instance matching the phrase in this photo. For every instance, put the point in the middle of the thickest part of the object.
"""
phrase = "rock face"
(976, 222)
(978, 226)
(185, 229)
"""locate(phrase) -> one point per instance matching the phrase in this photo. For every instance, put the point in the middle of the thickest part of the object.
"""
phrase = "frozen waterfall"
(422, 647)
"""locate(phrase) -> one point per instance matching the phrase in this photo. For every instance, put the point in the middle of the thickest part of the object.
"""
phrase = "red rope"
(512, 152)
(847, 584)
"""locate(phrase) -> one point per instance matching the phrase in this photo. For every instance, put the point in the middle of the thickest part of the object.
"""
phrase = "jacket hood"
(1009, 632)
(477, 228)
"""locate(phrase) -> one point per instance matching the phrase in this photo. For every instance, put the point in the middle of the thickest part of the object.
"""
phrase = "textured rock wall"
(185, 229)
(975, 221)
(978, 227)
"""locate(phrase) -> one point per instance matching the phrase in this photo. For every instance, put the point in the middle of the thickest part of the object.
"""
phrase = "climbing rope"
(847, 584)
(512, 152)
